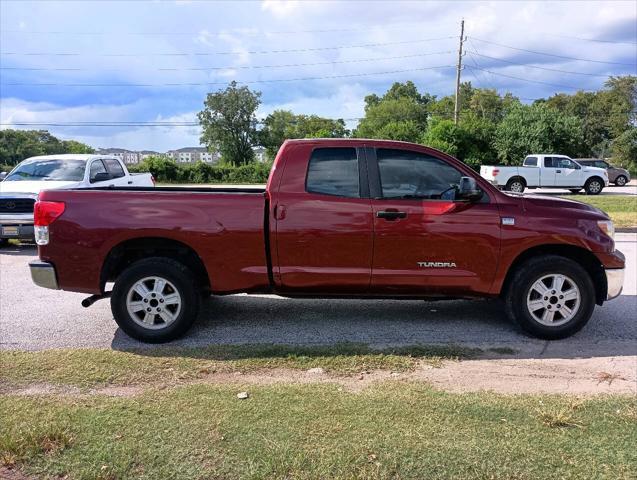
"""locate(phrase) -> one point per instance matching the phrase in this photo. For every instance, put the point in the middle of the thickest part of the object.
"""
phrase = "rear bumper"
(43, 274)
(614, 282)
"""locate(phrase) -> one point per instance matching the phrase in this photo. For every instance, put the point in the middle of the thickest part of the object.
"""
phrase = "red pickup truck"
(338, 218)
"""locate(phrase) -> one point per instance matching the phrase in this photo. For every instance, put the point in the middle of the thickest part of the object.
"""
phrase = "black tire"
(621, 181)
(520, 287)
(594, 186)
(574, 190)
(179, 277)
(4, 242)
(516, 184)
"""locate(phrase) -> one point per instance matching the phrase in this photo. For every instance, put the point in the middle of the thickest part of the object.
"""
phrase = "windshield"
(52, 170)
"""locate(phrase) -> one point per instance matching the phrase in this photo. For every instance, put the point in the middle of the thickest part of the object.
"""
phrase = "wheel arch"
(580, 255)
(129, 251)
(517, 177)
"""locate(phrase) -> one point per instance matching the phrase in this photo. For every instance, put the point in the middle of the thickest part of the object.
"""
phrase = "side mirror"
(2, 175)
(101, 177)
(469, 190)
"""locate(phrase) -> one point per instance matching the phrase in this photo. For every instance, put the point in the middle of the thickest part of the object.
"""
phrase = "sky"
(69, 63)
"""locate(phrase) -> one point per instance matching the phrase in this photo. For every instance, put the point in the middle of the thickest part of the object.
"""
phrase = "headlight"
(607, 227)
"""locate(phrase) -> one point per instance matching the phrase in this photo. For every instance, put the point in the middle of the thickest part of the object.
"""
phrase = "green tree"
(625, 150)
(229, 123)
(400, 114)
(283, 124)
(536, 129)
(73, 146)
(16, 145)
(445, 136)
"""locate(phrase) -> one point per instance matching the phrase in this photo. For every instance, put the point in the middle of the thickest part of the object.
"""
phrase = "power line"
(240, 67)
(598, 40)
(528, 80)
(552, 54)
(540, 68)
(202, 54)
(236, 31)
(249, 82)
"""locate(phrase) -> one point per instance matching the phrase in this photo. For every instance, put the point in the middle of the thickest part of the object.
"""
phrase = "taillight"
(44, 215)
(495, 172)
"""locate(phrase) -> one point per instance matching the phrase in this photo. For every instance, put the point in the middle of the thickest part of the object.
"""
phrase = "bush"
(166, 170)
(6, 168)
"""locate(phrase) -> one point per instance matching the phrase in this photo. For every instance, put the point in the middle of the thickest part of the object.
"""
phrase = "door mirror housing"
(469, 190)
(3, 175)
(101, 177)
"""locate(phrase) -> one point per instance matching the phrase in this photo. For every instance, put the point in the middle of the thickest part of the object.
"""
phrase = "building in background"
(193, 154)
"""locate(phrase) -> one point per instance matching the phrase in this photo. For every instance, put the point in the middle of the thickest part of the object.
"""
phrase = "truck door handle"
(558, 171)
(391, 215)
(130, 182)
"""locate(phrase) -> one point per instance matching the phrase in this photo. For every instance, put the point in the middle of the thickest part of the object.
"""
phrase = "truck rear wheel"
(516, 185)
(551, 297)
(594, 186)
(155, 300)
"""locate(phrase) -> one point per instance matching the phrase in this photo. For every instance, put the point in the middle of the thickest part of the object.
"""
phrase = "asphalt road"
(630, 189)
(33, 318)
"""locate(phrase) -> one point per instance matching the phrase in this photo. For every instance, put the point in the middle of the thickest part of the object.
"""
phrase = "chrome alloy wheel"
(517, 187)
(153, 302)
(595, 186)
(553, 300)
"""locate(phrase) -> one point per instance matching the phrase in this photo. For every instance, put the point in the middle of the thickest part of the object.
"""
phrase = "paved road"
(630, 189)
(34, 318)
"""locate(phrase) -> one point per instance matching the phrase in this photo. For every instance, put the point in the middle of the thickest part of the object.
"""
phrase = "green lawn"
(180, 425)
(622, 209)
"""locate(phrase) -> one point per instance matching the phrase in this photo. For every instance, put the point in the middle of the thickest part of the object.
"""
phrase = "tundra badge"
(437, 264)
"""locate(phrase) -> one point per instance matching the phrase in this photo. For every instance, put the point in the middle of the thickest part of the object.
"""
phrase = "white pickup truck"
(547, 171)
(20, 188)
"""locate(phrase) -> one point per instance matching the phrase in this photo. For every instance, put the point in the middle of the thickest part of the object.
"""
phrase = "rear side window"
(334, 171)
(601, 164)
(530, 162)
(549, 162)
(114, 168)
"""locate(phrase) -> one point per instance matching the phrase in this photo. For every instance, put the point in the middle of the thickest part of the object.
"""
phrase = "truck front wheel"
(155, 300)
(516, 185)
(551, 297)
(594, 186)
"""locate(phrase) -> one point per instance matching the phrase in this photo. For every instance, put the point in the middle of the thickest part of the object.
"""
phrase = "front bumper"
(614, 282)
(17, 225)
(43, 274)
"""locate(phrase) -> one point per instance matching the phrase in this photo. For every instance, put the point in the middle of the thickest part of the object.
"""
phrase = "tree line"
(493, 128)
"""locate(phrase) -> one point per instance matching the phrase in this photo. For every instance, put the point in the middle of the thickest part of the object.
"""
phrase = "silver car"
(616, 175)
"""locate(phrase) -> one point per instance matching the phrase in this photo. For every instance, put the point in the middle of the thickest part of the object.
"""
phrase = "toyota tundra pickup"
(337, 218)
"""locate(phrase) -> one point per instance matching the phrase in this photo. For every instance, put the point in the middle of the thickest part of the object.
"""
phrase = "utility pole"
(456, 110)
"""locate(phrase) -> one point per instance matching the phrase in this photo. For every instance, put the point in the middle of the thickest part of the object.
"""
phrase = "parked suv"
(616, 175)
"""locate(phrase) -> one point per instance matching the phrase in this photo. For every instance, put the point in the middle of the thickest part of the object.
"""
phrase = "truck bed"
(223, 226)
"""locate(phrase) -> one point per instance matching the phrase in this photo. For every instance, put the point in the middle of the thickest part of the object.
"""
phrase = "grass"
(87, 368)
(622, 209)
(391, 430)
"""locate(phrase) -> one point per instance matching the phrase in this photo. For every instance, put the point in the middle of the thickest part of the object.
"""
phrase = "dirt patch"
(13, 474)
(586, 376)
(583, 376)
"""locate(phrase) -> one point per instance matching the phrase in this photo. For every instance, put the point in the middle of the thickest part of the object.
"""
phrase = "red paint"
(321, 244)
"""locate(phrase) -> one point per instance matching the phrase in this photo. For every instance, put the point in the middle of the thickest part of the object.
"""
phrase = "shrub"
(166, 170)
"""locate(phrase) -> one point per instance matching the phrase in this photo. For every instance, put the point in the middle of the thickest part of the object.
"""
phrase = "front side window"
(96, 167)
(566, 163)
(406, 174)
(334, 171)
(114, 168)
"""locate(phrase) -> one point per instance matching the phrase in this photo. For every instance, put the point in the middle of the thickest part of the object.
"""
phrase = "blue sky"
(154, 61)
